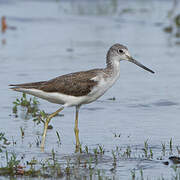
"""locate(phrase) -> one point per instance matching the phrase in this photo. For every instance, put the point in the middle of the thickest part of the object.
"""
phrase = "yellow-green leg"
(76, 130)
(46, 126)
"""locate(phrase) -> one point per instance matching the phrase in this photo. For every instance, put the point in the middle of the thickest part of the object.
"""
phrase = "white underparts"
(55, 97)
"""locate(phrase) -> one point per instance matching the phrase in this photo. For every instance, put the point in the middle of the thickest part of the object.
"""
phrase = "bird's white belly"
(58, 98)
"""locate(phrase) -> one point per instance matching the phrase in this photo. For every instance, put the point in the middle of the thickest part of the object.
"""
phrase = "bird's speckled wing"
(74, 84)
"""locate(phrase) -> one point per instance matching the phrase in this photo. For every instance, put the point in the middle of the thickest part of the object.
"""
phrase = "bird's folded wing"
(28, 85)
(74, 84)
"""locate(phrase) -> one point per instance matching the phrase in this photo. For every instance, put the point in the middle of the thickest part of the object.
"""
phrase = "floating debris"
(112, 99)
(3, 24)
(175, 159)
(168, 29)
(166, 163)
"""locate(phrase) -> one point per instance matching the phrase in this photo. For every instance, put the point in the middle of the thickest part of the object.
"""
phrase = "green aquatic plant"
(163, 148)
(178, 150)
(145, 149)
(59, 139)
(12, 164)
(3, 141)
(86, 149)
(101, 149)
(31, 105)
(177, 20)
(174, 26)
(76, 166)
(151, 153)
(176, 175)
(24, 101)
(117, 135)
(22, 132)
(98, 150)
(114, 160)
(128, 152)
(170, 145)
(40, 117)
(133, 174)
(33, 168)
(67, 169)
(174, 21)
(37, 141)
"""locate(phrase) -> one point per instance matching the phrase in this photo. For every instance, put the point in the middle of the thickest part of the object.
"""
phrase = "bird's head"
(119, 52)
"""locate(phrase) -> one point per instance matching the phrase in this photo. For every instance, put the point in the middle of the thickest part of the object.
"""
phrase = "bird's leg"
(46, 126)
(76, 130)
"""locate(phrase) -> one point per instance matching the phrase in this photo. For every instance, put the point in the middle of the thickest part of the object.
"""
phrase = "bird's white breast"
(102, 86)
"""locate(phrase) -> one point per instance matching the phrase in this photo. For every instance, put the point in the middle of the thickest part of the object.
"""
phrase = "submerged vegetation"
(3, 142)
(174, 27)
(31, 105)
(30, 108)
(87, 163)
(90, 162)
(174, 22)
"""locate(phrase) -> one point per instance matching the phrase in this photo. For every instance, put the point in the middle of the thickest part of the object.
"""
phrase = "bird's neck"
(112, 66)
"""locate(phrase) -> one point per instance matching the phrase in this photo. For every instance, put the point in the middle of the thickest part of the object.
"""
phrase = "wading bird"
(76, 89)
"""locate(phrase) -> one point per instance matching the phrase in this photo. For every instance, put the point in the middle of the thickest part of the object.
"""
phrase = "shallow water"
(55, 38)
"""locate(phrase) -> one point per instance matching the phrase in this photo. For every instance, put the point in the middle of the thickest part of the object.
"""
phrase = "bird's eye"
(120, 51)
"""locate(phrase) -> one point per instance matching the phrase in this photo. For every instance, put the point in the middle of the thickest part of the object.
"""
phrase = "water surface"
(59, 37)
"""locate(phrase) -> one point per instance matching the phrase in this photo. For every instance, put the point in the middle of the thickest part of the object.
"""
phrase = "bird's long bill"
(140, 65)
